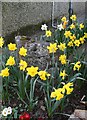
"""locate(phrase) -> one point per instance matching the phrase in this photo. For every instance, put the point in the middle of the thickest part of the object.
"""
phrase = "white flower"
(9, 110)
(44, 27)
(5, 112)
(60, 27)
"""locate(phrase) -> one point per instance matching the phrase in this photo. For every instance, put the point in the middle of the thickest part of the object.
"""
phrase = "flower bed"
(26, 85)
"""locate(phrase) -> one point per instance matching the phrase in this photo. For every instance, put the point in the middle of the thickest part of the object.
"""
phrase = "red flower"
(24, 116)
(21, 117)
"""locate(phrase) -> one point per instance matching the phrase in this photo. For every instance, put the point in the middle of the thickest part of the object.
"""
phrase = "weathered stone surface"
(72, 117)
(20, 14)
(37, 52)
(82, 114)
(79, 115)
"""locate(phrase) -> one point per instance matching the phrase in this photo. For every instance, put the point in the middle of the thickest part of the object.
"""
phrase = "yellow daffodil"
(82, 40)
(62, 46)
(10, 61)
(68, 87)
(52, 48)
(48, 33)
(70, 44)
(22, 65)
(53, 95)
(32, 71)
(62, 58)
(57, 94)
(72, 37)
(63, 74)
(65, 24)
(81, 26)
(67, 34)
(72, 26)
(73, 17)
(5, 72)
(63, 19)
(85, 35)
(43, 75)
(77, 66)
(1, 42)
(77, 43)
(12, 46)
(23, 51)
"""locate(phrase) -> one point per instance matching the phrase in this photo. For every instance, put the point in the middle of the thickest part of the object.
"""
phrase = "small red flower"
(24, 116)
(21, 117)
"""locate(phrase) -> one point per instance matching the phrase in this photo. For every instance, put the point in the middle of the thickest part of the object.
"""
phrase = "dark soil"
(72, 103)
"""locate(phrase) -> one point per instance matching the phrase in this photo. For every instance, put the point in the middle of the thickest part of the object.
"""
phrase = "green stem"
(53, 64)
(48, 97)
(22, 99)
(31, 94)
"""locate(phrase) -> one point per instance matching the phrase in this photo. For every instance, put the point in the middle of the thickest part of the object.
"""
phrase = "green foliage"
(67, 66)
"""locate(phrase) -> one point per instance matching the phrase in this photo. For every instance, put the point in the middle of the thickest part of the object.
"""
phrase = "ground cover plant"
(65, 69)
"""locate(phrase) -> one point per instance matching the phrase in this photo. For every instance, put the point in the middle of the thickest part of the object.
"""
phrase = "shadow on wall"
(26, 17)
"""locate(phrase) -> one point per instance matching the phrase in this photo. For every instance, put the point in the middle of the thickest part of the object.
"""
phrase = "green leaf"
(74, 77)
(56, 104)
(15, 114)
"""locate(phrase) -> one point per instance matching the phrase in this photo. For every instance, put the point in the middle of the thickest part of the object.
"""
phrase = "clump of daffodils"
(69, 40)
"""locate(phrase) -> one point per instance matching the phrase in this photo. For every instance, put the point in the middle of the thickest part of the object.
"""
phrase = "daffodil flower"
(44, 27)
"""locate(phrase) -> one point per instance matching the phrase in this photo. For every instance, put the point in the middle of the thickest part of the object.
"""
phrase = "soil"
(72, 103)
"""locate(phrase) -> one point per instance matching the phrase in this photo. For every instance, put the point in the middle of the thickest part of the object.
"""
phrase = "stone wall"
(19, 14)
